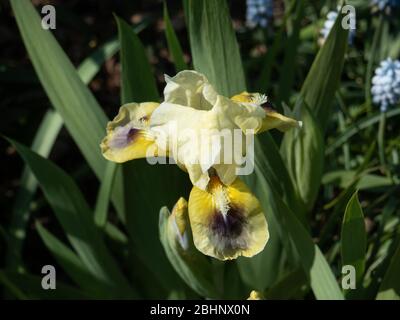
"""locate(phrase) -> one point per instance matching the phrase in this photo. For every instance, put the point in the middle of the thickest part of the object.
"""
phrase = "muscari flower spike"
(328, 25)
(386, 84)
(259, 12)
(226, 219)
(383, 5)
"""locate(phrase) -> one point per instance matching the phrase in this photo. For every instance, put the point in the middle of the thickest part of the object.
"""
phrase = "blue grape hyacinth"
(259, 12)
(385, 4)
(328, 25)
(386, 84)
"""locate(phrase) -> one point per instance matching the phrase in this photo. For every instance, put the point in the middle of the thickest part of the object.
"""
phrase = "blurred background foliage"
(330, 191)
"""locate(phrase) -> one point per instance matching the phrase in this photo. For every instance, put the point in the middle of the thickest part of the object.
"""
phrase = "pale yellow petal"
(275, 120)
(190, 89)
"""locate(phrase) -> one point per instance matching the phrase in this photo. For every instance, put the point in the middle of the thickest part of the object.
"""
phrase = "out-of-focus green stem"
(381, 142)
(371, 59)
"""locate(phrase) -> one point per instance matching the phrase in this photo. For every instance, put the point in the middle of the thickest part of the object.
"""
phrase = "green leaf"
(191, 265)
(279, 43)
(264, 81)
(313, 262)
(136, 69)
(91, 65)
(323, 78)
(303, 150)
(214, 47)
(390, 286)
(260, 271)
(288, 68)
(339, 203)
(354, 239)
(357, 127)
(288, 286)
(372, 57)
(66, 91)
(42, 144)
(75, 216)
(73, 265)
(343, 178)
(103, 197)
(27, 286)
(173, 42)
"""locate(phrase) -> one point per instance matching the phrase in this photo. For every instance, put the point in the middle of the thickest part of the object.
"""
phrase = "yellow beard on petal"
(227, 221)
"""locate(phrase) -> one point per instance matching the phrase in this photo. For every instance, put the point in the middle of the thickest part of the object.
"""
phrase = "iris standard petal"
(227, 221)
(128, 136)
(191, 89)
(192, 138)
(246, 116)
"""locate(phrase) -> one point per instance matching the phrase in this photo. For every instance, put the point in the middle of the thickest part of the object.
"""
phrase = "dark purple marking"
(123, 136)
(227, 231)
(132, 134)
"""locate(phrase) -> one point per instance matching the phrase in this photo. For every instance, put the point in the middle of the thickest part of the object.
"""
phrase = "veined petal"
(227, 221)
(246, 116)
(199, 140)
(128, 136)
(191, 89)
(191, 137)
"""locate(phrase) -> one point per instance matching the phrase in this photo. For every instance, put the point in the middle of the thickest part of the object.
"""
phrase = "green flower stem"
(381, 142)
(371, 59)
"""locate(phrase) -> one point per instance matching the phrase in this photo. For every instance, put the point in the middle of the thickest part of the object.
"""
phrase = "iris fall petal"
(227, 221)
(128, 136)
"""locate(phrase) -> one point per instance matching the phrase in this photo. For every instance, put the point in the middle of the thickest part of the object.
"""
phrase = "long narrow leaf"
(75, 216)
(134, 63)
(42, 144)
(390, 286)
(354, 239)
(303, 150)
(315, 266)
(103, 197)
(173, 43)
(73, 265)
(28, 286)
(323, 78)
(214, 47)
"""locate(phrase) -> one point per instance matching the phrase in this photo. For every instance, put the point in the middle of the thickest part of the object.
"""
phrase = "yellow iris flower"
(226, 218)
